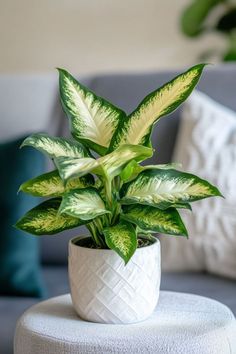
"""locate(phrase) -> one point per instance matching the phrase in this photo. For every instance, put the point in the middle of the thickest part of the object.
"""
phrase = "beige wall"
(93, 35)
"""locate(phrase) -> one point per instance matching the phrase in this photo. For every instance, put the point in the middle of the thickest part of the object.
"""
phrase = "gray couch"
(31, 103)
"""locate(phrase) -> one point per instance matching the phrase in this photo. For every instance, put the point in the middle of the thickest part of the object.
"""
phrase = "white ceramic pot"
(104, 290)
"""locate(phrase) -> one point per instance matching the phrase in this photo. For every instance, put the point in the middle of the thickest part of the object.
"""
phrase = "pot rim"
(74, 239)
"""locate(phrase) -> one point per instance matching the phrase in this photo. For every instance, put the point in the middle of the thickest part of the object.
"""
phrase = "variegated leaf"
(72, 167)
(136, 129)
(85, 204)
(44, 219)
(164, 188)
(165, 166)
(115, 161)
(93, 119)
(182, 206)
(109, 165)
(122, 239)
(55, 147)
(153, 219)
(132, 169)
(51, 185)
(145, 234)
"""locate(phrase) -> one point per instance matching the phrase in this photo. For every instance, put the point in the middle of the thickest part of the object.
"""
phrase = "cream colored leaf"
(153, 219)
(122, 239)
(136, 129)
(93, 119)
(166, 188)
(55, 147)
(45, 219)
(51, 185)
(85, 204)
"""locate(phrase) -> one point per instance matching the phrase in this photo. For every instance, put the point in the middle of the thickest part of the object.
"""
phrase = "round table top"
(181, 323)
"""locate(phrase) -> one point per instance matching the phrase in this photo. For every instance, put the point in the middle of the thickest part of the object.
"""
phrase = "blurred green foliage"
(195, 22)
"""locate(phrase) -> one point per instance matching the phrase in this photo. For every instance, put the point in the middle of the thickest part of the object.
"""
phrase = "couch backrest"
(27, 104)
(31, 103)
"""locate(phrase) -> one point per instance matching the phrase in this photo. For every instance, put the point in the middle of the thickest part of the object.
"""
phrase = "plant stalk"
(93, 231)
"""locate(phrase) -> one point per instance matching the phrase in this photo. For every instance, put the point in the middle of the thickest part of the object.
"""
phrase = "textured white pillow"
(206, 146)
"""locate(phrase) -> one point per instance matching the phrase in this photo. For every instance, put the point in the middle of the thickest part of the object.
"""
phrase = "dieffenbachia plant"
(113, 195)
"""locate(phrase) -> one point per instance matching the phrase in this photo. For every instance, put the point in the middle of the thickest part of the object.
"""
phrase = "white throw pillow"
(206, 146)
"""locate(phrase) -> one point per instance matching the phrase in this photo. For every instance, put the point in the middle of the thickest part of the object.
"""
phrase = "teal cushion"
(19, 252)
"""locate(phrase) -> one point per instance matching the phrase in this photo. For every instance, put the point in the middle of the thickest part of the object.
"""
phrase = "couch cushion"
(206, 147)
(218, 288)
(19, 254)
(28, 104)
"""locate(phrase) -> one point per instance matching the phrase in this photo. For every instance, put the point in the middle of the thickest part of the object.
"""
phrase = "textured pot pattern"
(104, 290)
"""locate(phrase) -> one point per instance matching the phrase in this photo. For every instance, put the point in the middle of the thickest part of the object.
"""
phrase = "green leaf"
(51, 185)
(136, 129)
(114, 162)
(72, 167)
(144, 234)
(153, 219)
(45, 220)
(108, 166)
(195, 14)
(55, 147)
(93, 120)
(122, 239)
(85, 204)
(182, 206)
(132, 169)
(165, 188)
(166, 166)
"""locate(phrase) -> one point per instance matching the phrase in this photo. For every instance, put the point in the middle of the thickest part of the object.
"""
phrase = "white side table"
(181, 324)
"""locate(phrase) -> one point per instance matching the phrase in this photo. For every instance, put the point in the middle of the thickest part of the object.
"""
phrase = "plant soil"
(88, 243)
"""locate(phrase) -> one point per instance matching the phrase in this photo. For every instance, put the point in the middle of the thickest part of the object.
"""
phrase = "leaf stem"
(93, 231)
(108, 190)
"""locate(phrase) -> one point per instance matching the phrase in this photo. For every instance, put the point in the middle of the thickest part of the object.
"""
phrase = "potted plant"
(114, 271)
